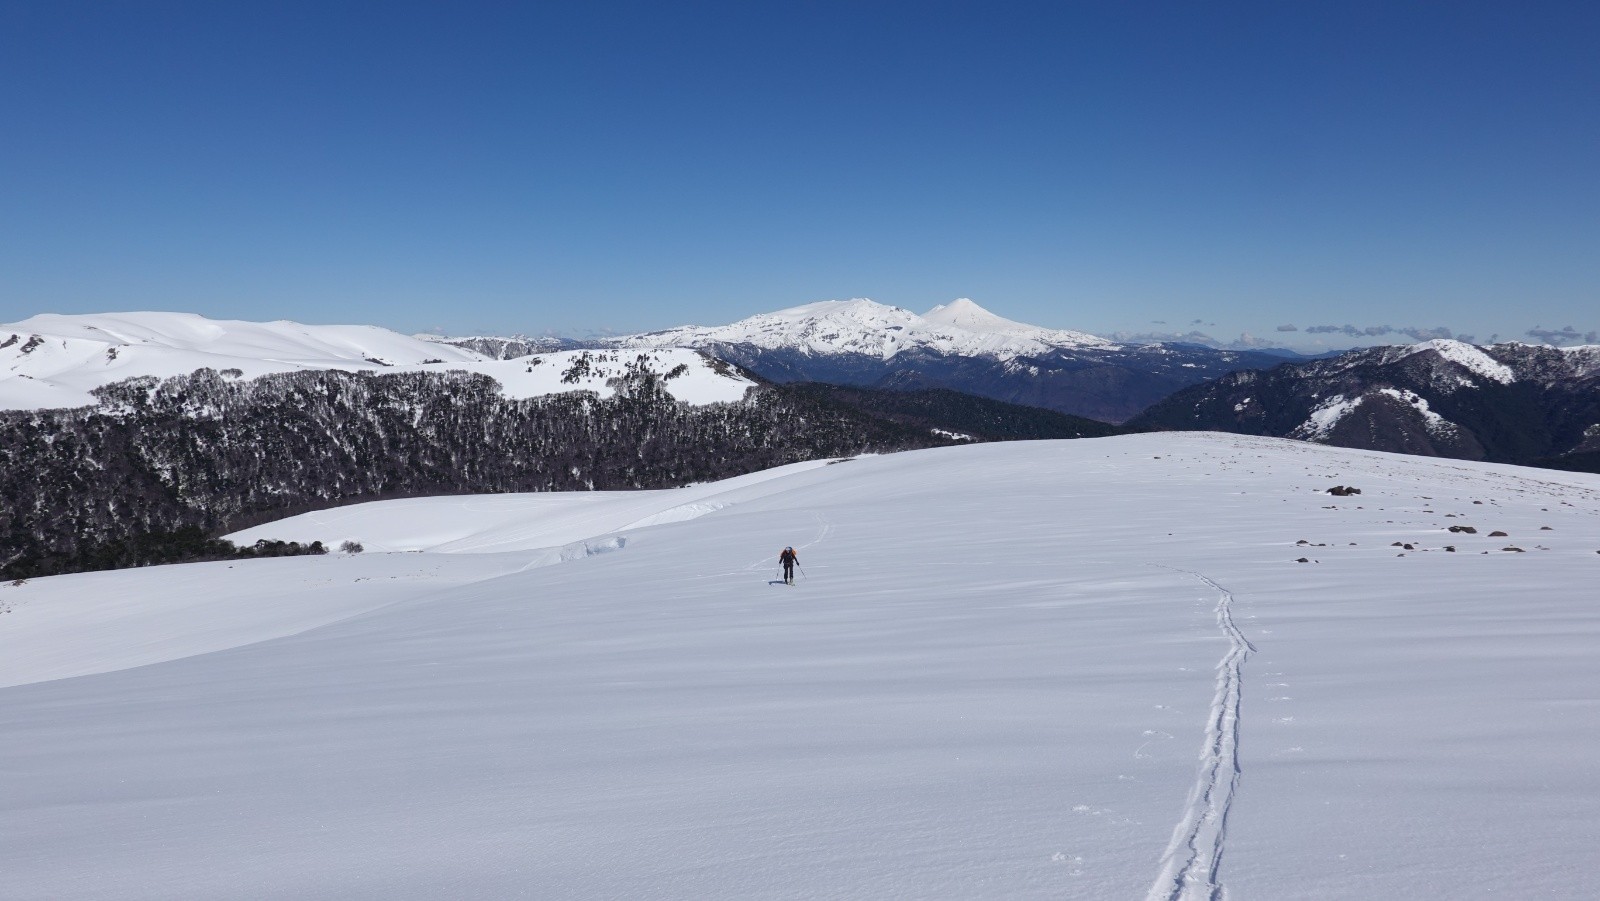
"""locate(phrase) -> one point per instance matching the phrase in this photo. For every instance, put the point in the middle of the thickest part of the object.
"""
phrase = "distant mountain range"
(1513, 403)
(959, 346)
(57, 361)
(1507, 403)
(52, 362)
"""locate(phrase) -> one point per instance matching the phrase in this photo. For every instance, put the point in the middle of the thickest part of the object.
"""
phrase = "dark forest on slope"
(128, 482)
(966, 414)
(1544, 410)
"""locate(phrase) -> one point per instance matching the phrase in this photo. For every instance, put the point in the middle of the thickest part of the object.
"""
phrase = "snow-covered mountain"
(1514, 403)
(1163, 666)
(54, 361)
(960, 346)
(866, 328)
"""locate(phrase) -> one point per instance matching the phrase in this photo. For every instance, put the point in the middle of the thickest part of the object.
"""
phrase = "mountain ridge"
(54, 361)
(1508, 403)
(960, 346)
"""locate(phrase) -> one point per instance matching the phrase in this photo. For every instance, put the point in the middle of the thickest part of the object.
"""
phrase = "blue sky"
(1115, 167)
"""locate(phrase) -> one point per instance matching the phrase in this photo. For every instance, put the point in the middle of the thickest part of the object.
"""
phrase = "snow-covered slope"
(1089, 669)
(1500, 363)
(496, 523)
(56, 361)
(961, 328)
(1468, 356)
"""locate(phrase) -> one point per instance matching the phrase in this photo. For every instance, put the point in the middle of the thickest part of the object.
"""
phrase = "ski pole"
(801, 568)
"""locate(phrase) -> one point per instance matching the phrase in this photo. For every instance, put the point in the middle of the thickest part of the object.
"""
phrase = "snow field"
(1008, 671)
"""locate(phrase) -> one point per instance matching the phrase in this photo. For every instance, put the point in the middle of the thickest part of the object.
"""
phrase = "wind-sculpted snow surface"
(989, 682)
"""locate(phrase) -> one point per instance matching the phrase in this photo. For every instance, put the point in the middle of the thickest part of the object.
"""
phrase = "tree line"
(203, 454)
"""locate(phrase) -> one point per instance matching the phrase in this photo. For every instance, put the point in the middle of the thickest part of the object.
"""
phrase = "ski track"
(1191, 866)
(824, 529)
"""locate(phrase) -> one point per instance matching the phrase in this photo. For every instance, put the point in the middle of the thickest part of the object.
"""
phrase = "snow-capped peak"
(1468, 356)
(968, 316)
(964, 313)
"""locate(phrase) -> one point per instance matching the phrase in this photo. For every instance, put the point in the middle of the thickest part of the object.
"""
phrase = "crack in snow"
(1192, 863)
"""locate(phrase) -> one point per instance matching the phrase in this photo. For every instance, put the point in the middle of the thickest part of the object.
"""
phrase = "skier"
(788, 558)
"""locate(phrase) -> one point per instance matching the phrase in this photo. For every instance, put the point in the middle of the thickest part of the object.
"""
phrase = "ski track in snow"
(824, 529)
(1191, 866)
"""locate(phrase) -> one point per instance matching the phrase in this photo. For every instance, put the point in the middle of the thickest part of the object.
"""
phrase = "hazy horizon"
(1313, 176)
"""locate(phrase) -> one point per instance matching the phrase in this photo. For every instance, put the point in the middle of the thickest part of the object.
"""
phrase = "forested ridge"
(204, 451)
(1504, 403)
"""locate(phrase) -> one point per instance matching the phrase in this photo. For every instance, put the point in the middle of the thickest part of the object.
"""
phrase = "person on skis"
(788, 558)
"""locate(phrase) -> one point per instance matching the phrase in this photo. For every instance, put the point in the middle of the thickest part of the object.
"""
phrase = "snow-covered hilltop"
(1163, 666)
(54, 361)
(864, 327)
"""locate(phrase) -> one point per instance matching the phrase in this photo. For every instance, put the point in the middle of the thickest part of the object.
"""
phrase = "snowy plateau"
(1157, 666)
(55, 361)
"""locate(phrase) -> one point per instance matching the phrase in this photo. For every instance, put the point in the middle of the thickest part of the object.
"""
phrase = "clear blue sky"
(585, 166)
